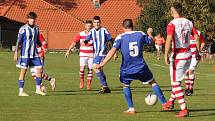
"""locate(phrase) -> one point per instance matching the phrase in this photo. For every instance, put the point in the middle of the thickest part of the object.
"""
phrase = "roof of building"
(49, 16)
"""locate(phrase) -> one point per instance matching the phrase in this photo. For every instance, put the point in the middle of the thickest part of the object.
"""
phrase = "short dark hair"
(32, 15)
(88, 22)
(178, 7)
(127, 24)
(96, 18)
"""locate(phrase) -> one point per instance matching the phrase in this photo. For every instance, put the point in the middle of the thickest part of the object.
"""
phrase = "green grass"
(69, 103)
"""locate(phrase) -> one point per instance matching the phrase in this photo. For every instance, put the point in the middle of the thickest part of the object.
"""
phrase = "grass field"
(69, 103)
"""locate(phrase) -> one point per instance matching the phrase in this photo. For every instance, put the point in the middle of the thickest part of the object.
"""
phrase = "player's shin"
(159, 93)
(102, 78)
(38, 83)
(128, 96)
(21, 86)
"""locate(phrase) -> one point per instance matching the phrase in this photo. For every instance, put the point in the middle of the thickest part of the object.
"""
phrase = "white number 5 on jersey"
(134, 51)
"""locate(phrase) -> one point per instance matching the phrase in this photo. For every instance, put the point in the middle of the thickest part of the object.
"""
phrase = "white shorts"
(86, 61)
(158, 47)
(193, 64)
(178, 69)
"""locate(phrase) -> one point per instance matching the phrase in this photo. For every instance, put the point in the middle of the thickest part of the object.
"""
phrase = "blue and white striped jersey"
(100, 38)
(28, 38)
(131, 45)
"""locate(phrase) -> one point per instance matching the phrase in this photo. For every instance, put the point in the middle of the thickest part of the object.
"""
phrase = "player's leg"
(178, 70)
(127, 94)
(36, 62)
(158, 51)
(22, 63)
(147, 78)
(90, 73)
(83, 62)
(46, 77)
(100, 74)
(187, 82)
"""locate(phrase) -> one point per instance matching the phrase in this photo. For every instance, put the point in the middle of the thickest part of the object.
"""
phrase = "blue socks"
(159, 93)
(102, 78)
(38, 81)
(21, 83)
(128, 96)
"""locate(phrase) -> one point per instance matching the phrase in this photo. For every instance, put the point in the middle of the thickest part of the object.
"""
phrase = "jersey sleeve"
(170, 29)
(146, 39)
(77, 38)
(43, 41)
(107, 35)
(117, 42)
(194, 31)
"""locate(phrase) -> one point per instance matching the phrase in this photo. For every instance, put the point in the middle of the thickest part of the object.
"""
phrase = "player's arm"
(196, 37)
(72, 45)
(170, 33)
(43, 42)
(18, 42)
(88, 37)
(110, 54)
(201, 38)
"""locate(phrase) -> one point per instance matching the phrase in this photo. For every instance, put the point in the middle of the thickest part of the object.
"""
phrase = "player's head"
(176, 9)
(31, 18)
(88, 25)
(96, 22)
(127, 24)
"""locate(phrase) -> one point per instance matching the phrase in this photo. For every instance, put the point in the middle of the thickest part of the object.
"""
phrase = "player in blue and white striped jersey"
(28, 38)
(100, 37)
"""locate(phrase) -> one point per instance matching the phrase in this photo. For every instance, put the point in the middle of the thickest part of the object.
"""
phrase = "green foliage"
(156, 13)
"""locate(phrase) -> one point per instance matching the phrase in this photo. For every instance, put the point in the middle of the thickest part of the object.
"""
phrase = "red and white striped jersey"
(193, 43)
(181, 29)
(40, 50)
(86, 50)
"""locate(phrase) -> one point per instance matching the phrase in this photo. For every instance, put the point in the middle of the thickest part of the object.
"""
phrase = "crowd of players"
(182, 54)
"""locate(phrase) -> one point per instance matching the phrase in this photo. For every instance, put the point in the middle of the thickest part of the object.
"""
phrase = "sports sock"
(38, 83)
(176, 88)
(128, 96)
(102, 78)
(21, 85)
(46, 77)
(89, 76)
(187, 83)
(82, 73)
(192, 78)
(159, 93)
(172, 98)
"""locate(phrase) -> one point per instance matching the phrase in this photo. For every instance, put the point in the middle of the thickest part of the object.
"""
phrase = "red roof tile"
(112, 12)
(49, 17)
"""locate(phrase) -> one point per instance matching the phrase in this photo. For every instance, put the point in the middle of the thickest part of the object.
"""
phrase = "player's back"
(131, 44)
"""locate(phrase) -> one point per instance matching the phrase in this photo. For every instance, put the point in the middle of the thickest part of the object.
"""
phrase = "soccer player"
(178, 33)
(28, 38)
(100, 37)
(41, 52)
(159, 41)
(133, 65)
(86, 54)
(190, 75)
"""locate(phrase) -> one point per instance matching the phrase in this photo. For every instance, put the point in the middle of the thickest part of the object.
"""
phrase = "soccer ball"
(151, 99)
(43, 88)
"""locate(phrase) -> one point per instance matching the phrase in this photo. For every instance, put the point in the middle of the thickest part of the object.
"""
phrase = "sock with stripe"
(21, 85)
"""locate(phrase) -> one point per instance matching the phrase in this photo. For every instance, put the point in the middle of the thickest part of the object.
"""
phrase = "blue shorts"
(24, 63)
(98, 59)
(145, 76)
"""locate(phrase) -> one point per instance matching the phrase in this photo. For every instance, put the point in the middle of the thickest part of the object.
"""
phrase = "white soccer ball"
(151, 99)
(43, 88)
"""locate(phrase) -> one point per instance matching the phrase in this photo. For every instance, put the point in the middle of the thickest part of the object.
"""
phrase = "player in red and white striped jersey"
(86, 54)
(178, 33)
(190, 76)
(41, 52)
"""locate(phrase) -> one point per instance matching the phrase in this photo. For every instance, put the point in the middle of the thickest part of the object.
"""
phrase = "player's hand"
(198, 56)
(67, 54)
(115, 56)
(97, 66)
(44, 49)
(167, 60)
(86, 41)
(15, 58)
